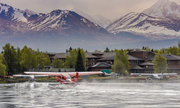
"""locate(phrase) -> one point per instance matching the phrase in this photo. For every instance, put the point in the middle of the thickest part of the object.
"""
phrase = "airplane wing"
(85, 73)
(60, 73)
(149, 74)
(29, 75)
(167, 74)
(45, 73)
(142, 74)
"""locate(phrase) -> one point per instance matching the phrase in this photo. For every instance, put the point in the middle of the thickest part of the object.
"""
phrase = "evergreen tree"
(66, 50)
(10, 59)
(70, 49)
(159, 63)
(106, 50)
(18, 60)
(143, 48)
(2, 67)
(86, 51)
(152, 50)
(179, 44)
(70, 61)
(79, 63)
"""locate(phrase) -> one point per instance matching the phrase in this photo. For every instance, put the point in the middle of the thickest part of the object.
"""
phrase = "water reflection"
(124, 95)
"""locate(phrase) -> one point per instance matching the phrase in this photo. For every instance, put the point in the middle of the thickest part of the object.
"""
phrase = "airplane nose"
(68, 80)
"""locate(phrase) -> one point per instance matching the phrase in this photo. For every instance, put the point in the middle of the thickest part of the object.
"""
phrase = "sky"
(111, 9)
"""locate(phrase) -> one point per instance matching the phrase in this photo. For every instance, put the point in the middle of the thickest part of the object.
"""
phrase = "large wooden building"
(140, 61)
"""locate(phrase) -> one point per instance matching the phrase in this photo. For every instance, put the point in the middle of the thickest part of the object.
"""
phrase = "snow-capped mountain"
(163, 8)
(12, 14)
(98, 19)
(161, 21)
(102, 21)
(29, 12)
(58, 29)
(58, 21)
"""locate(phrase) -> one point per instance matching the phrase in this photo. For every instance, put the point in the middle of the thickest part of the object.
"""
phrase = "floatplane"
(62, 77)
(157, 76)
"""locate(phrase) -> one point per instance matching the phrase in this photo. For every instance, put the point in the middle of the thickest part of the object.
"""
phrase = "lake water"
(90, 95)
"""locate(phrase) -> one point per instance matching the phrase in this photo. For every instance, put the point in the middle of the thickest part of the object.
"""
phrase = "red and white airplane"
(62, 77)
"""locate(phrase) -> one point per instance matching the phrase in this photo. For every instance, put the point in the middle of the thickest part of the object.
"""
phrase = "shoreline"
(101, 80)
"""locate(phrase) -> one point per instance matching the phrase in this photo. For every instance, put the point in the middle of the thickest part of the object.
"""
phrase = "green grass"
(3, 81)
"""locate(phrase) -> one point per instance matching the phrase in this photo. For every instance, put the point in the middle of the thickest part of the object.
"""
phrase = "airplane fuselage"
(67, 79)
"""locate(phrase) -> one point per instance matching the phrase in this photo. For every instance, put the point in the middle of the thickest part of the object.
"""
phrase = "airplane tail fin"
(76, 77)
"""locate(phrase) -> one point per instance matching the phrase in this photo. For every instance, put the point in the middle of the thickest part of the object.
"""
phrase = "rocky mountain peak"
(164, 8)
(29, 12)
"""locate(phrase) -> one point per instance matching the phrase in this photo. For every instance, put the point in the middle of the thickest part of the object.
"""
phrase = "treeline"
(75, 59)
(175, 50)
(16, 60)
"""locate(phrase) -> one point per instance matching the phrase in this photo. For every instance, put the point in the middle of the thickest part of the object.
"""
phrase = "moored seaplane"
(158, 76)
(62, 77)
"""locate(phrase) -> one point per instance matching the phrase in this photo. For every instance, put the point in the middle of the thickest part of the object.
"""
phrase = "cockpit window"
(68, 77)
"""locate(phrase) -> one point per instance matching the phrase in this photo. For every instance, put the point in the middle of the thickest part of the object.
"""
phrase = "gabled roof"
(112, 58)
(60, 55)
(88, 55)
(147, 64)
(107, 58)
(102, 55)
(134, 58)
(171, 57)
(136, 67)
(101, 64)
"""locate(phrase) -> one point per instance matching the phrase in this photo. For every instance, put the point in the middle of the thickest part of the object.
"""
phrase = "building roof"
(112, 58)
(101, 64)
(101, 55)
(146, 64)
(136, 67)
(139, 50)
(134, 58)
(60, 55)
(90, 55)
(171, 57)
(107, 58)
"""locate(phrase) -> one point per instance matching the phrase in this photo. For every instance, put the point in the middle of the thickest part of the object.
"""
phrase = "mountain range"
(159, 22)
(61, 29)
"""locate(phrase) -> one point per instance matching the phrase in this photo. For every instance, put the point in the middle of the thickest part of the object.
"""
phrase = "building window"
(92, 63)
(87, 59)
(92, 59)
(132, 62)
(63, 59)
(135, 62)
(86, 63)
